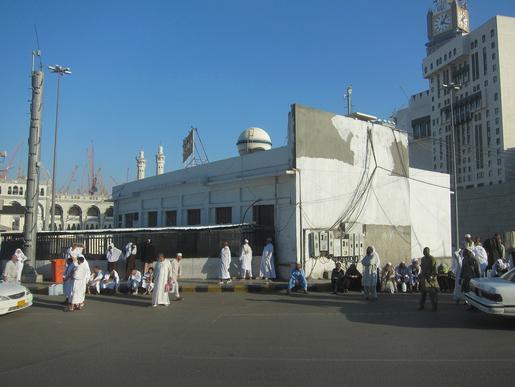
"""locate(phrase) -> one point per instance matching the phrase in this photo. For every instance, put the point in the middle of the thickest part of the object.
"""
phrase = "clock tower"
(446, 20)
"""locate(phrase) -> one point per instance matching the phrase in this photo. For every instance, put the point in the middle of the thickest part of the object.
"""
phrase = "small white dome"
(253, 140)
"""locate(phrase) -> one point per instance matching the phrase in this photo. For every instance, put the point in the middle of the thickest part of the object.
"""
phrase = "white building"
(482, 62)
(338, 185)
(73, 211)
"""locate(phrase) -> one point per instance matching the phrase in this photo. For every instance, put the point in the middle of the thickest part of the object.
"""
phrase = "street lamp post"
(294, 171)
(60, 71)
(453, 87)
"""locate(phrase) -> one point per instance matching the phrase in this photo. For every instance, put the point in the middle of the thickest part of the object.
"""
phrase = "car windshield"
(509, 276)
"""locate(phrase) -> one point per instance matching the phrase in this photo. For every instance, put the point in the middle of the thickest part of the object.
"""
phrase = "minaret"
(141, 164)
(160, 161)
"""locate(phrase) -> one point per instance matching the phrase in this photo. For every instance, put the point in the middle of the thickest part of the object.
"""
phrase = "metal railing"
(192, 243)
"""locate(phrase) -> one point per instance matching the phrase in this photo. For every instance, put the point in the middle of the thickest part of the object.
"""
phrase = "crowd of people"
(161, 276)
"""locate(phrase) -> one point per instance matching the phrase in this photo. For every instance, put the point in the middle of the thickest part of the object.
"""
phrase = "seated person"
(443, 277)
(414, 270)
(353, 278)
(94, 280)
(148, 281)
(499, 268)
(110, 282)
(402, 277)
(338, 280)
(388, 283)
(297, 279)
(134, 281)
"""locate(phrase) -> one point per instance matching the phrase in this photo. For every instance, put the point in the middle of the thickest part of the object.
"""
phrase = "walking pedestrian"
(267, 268)
(370, 264)
(428, 280)
(246, 260)
(225, 263)
(162, 282)
(176, 275)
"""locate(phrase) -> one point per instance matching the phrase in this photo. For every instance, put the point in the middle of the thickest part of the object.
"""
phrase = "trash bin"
(58, 270)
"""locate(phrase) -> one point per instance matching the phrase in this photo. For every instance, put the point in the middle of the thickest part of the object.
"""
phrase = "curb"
(42, 289)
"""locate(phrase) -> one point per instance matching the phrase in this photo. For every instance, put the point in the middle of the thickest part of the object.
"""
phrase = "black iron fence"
(192, 243)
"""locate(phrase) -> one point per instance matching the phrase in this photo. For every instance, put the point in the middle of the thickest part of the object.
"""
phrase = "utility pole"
(348, 97)
(32, 188)
(452, 87)
(60, 71)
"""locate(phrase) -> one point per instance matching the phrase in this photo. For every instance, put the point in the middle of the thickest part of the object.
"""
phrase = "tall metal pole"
(59, 71)
(453, 87)
(32, 188)
(52, 208)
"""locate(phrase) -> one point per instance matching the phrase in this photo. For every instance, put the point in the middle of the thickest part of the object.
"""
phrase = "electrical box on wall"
(324, 241)
(314, 244)
(331, 243)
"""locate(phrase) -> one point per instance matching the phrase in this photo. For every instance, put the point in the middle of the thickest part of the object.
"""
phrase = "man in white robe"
(20, 259)
(267, 268)
(176, 275)
(113, 255)
(246, 260)
(371, 262)
(10, 270)
(225, 263)
(80, 276)
(480, 255)
(162, 281)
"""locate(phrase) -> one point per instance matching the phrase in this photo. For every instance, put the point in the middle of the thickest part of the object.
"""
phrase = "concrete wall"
(486, 210)
(430, 208)
(331, 159)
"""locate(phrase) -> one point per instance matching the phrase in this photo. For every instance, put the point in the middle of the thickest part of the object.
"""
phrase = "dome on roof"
(253, 140)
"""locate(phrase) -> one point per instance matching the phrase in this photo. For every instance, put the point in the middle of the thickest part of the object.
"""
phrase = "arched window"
(15, 190)
(9, 190)
(21, 190)
(42, 192)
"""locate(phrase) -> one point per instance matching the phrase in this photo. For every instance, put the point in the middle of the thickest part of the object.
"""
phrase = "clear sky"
(145, 71)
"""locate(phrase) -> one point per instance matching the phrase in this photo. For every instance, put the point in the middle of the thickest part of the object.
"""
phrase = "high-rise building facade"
(481, 64)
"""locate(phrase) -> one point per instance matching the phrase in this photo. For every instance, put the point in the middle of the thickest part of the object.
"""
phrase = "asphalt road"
(255, 339)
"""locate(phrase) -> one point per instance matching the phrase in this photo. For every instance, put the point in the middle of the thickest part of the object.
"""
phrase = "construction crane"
(4, 172)
(93, 175)
(71, 179)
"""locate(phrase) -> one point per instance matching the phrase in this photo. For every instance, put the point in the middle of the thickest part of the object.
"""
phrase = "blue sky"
(145, 71)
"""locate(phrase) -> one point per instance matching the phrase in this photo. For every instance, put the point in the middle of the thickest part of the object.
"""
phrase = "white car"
(494, 295)
(14, 297)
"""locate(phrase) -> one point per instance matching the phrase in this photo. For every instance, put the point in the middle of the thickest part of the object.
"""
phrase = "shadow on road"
(399, 311)
(59, 305)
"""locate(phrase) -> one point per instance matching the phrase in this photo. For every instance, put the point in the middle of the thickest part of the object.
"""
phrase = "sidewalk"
(212, 286)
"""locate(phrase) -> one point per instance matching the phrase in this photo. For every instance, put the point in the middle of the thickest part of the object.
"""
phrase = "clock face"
(442, 22)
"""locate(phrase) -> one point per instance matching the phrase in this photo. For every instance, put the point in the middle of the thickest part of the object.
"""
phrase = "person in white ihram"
(20, 259)
(225, 263)
(162, 281)
(246, 260)
(176, 274)
(80, 281)
(267, 269)
(10, 271)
